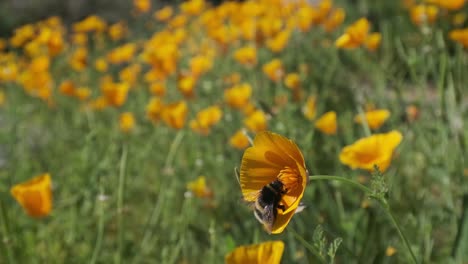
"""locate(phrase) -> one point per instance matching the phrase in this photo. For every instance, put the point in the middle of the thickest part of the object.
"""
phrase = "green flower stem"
(382, 201)
(4, 238)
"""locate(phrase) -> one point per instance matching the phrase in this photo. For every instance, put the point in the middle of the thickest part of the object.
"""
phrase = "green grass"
(121, 198)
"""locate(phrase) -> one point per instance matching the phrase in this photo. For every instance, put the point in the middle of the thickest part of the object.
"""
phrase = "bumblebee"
(267, 203)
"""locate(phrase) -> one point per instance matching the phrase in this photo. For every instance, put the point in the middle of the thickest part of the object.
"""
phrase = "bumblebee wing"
(266, 216)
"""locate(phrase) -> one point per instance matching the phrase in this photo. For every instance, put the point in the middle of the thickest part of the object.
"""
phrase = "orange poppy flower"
(267, 252)
(376, 149)
(199, 188)
(274, 158)
(327, 123)
(239, 140)
(35, 195)
(374, 118)
(127, 122)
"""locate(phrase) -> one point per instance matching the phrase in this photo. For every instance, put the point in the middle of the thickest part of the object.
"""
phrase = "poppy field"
(260, 131)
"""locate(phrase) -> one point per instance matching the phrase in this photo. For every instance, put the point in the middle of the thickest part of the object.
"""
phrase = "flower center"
(290, 178)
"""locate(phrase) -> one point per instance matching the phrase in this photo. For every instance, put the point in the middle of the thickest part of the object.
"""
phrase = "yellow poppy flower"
(164, 13)
(274, 70)
(246, 56)
(460, 36)
(199, 188)
(274, 158)
(327, 123)
(279, 42)
(154, 109)
(372, 42)
(205, 119)
(310, 108)
(256, 121)
(142, 6)
(158, 88)
(268, 252)
(126, 122)
(175, 114)
(292, 81)
(239, 140)
(355, 35)
(421, 14)
(448, 4)
(238, 96)
(374, 118)
(334, 20)
(376, 149)
(35, 195)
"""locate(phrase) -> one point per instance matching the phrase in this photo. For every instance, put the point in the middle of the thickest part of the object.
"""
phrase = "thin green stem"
(386, 207)
(342, 179)
(5, 239)
(173, 148)
(100, 231)
(120, 194)
(383, 203)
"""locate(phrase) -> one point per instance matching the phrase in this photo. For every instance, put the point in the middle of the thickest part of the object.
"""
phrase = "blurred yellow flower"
(448, 4)
(278, 42)
(101, 64)
(117, 31)
(246, 56)
(376, 149)
(142, 6)
(374, 118)
(79, 59)
(239, 140)
(164, 14)
(256, 121)
(200, 64)
(122, 54)
(199, 188)
(205, 119)
(192, 7)
(274, 70)
(372, 42)
(158, 88)
(175, 114)
(238, 96)
(274, 159)
(68, 88)
(390, 251)
(421, 14)
(35, 195)
(355, 35)
(460, 36)
(310, 108)
(90, 24)
(268, 252)
(186, 85)
(127, 122)
(82, 93)
(327, 123)
(334, 20)
(292, 81)
(115, 93)
(154, 109)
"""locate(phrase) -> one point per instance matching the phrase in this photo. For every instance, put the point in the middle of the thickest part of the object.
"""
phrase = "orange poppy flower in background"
(35, 195)
(239, 140)
(292, 81)
(310, 108)
(376, 149)
(448, 4)
(274, 70)
(199, 188)
(164, 13)
(327, 123)
(142, 6)
(274, 158)
(460, 36)
(127, 122)
(355, 34)
(256, 121)
(175, 114)
(238, 96)
(421, 14)
(374, 118)
(268, 252)
(246, 56)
